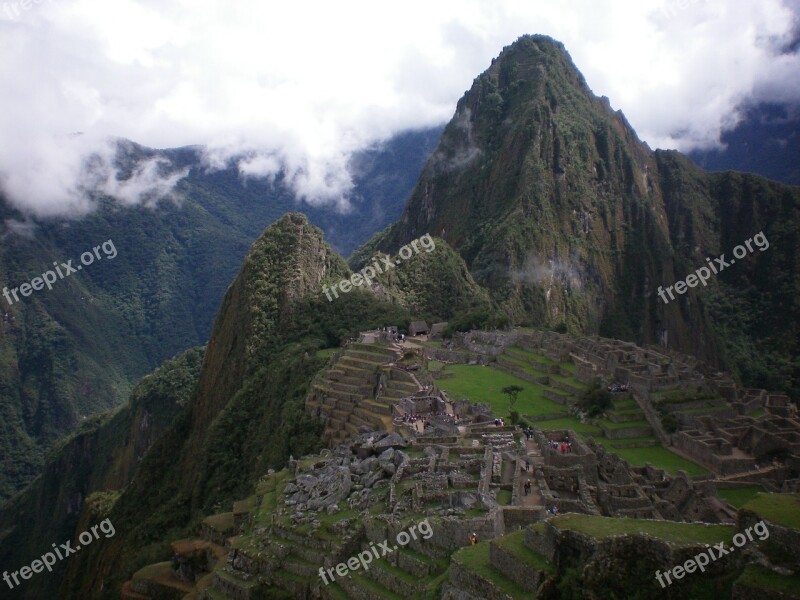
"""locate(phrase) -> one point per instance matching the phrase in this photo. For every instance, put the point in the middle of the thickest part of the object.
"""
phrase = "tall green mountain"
(76, 350)
(570, 220)
(244, 412)
(552, 205)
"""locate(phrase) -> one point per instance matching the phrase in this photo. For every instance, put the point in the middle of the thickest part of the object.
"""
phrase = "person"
(527, 465)
(473, 538)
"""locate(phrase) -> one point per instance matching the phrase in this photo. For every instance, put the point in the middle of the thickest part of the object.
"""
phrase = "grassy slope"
(668, 531)
(781, 509)
(484, 384)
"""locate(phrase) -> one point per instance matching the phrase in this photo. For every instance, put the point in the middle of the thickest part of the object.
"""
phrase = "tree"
(512, 391)
(595, 401)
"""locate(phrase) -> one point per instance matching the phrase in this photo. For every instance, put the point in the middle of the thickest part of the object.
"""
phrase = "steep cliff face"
(246, 412)
(567, 218)
(283, 266)
(102, 456)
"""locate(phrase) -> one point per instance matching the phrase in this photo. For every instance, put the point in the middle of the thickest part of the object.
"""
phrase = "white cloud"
(298, 87)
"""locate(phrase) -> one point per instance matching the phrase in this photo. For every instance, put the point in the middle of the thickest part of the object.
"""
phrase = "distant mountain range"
(77, 350)
(766, 142)
(546, 209)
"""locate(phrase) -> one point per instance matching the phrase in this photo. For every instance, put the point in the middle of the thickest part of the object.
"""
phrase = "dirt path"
(534, 455)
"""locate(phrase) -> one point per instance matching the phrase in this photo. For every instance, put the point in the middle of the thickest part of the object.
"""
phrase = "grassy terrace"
(668, 531)
(738, 497)
(759, 578)
(484, 384)
(781, 509)
(531, 355)
(657, 456)
(504, 497)
(513, 543)
(476, 559)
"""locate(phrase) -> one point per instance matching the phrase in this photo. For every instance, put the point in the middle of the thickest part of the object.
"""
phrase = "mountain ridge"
(570, 220)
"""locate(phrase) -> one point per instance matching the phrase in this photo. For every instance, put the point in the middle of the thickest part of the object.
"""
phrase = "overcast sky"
(298, 86)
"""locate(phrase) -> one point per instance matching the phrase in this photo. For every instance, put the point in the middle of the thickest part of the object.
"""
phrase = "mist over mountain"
(766, 142)
(77, 350)
(571, 221)
(547, 210)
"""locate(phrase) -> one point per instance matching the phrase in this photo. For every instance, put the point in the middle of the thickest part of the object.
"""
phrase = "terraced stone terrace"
(623, 498)
(324, 509)
(549, 388)
(359, 389)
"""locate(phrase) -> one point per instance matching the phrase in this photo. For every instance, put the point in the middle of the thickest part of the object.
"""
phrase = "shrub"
(595, 401)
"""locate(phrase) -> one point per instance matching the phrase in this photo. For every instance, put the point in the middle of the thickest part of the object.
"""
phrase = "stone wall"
(517, 571)
(628, 432)
(785, 540)
(457, 356)
(704, 454)
(517, 517)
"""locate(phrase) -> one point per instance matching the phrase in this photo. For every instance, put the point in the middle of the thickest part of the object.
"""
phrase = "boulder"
(393, 440)
(373, 478)
(333, 485)
(365, 466)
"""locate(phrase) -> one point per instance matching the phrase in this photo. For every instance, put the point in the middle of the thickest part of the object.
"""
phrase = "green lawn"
(658, 456)
(484, 384)
(669, 531)
(435, 366)
(569, 423)
(504, 497)
(737, 497)
(759, 578)
(476, 559)
(623, 425)
(514, 544)
(540, 358)
(781, 509)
